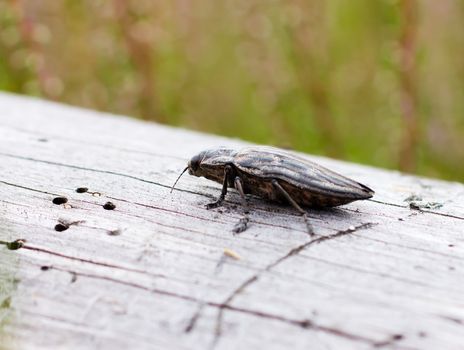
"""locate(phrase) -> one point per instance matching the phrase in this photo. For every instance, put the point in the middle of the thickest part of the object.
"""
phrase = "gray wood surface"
(158, 272)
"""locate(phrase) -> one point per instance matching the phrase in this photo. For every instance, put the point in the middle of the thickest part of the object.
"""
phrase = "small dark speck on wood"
(109, 206)
(60, 200)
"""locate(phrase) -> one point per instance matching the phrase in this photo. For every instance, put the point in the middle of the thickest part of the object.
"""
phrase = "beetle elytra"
(275, 175)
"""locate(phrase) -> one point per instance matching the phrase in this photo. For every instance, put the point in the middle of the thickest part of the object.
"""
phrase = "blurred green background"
(378, 82)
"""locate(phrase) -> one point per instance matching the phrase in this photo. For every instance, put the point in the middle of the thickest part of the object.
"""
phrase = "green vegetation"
(378, 82)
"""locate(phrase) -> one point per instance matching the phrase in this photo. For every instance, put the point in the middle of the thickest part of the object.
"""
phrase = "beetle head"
(195, 163)
(209, 163)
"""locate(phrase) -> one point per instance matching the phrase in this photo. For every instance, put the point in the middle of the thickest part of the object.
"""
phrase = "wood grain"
(152, 273)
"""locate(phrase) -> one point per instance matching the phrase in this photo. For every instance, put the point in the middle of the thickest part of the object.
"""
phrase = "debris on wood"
(231, 254)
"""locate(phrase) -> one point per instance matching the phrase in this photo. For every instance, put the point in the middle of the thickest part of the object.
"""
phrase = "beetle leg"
(243, 222)
(239, 187)
(276, 184)
(227, 171)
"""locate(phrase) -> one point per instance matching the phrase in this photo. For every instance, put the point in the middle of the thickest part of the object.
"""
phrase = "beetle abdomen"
(315, 199)
(304, 197)
(308, 183)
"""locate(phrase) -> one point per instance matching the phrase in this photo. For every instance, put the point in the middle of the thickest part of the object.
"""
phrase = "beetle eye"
(194, 163)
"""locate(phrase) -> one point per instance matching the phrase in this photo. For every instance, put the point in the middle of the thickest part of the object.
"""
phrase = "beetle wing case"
(323, 186)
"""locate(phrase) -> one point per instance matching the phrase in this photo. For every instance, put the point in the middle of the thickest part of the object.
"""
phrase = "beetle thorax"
(211, 163)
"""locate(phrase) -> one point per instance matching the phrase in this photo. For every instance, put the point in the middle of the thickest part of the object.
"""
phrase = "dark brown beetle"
(275, 175)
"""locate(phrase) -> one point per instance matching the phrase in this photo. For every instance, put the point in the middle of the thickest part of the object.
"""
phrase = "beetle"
(274, 175)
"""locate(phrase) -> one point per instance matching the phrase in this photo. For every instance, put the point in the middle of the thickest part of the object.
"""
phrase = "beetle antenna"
(182, 173)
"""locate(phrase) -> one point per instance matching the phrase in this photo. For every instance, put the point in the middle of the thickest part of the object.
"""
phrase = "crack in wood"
(294, 251)
(305, 323)
(421, 210)
(203, 218)
(108, 172)
(104, 264)
(452, 319)
(89, 261)
(193, 320)
(27, 188)
(390, 341)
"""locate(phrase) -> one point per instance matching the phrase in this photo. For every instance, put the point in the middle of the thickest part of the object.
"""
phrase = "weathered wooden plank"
(152, 273)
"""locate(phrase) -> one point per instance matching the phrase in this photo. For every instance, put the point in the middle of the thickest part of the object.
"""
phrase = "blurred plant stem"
(142, 55)
(408, 81)
(27, 31)
(309, 41)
